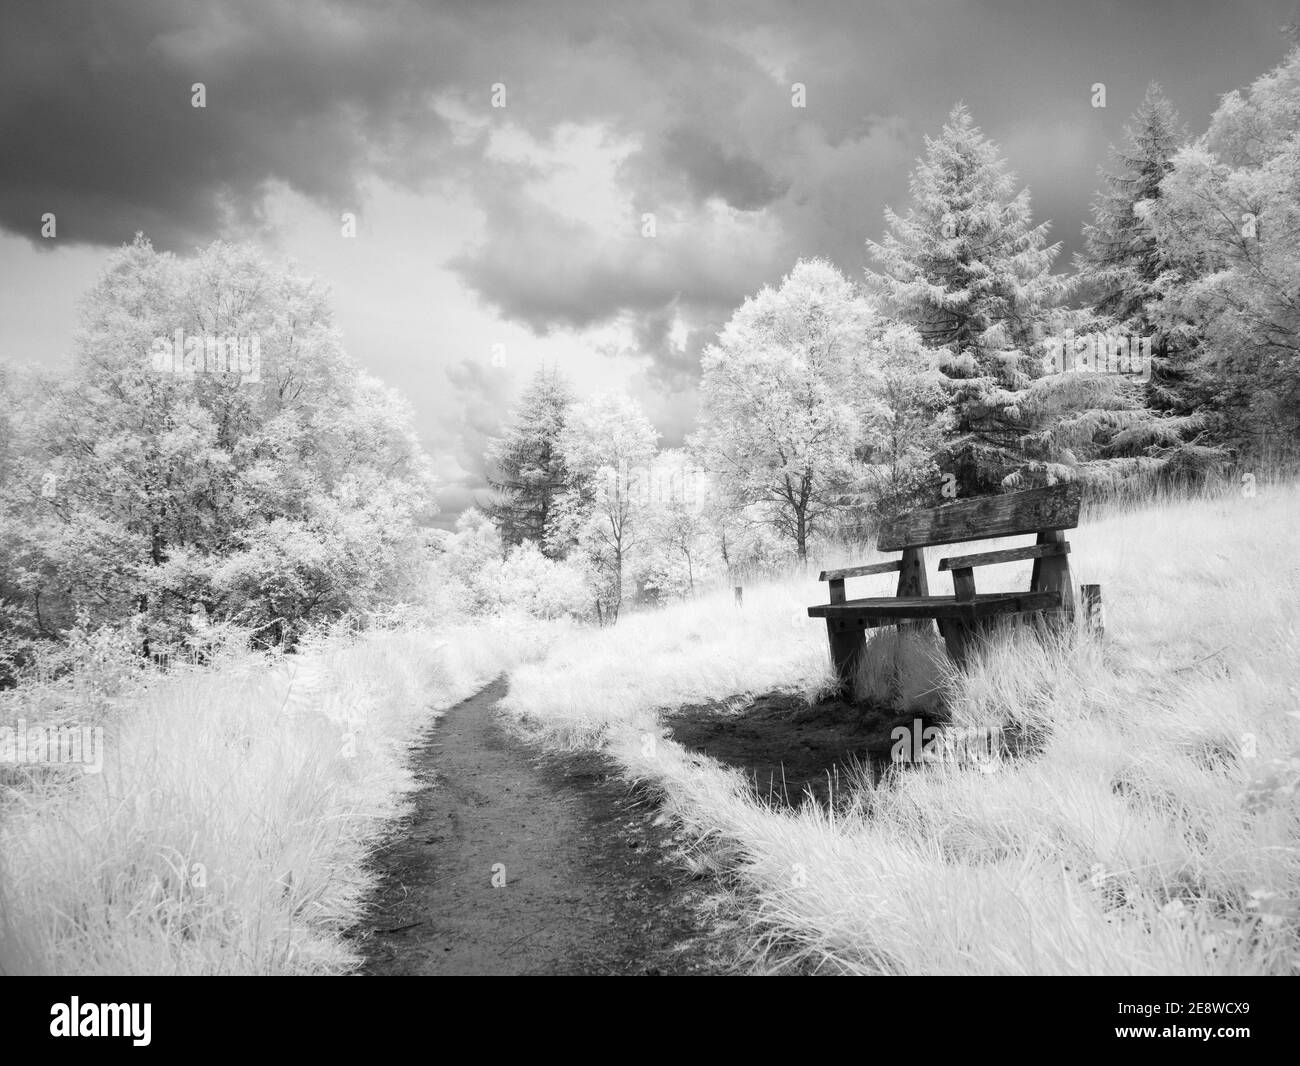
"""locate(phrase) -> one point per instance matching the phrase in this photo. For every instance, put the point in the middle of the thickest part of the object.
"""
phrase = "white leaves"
(609, 432)
(284, 496)
(804, 382)
(965, 256)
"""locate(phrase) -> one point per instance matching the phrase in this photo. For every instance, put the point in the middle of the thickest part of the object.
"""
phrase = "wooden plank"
(860, 571)
(1094, 613)
(871, 603)
(983, 605)
(970, 617)
(1053, 507)
(963, 583)
(1009, 555)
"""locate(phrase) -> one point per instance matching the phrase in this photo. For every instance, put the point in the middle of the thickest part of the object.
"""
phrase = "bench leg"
(959, 634)
(1054, 573)
(846, 643)
(958, 638)
(846, 649)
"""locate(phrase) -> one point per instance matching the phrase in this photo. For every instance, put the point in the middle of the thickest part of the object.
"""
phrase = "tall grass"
(231, 826)
(1154, 828)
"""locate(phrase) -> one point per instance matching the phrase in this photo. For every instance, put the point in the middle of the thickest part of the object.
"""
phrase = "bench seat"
(984, 605)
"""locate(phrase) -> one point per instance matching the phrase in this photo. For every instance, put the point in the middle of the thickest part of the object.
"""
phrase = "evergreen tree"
(1123, 259)
(529, 464)
(904, 425)
(1121, 271)
(966, 266)
(1122, 256)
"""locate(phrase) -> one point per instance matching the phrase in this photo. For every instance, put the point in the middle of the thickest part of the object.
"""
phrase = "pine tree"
(966, 266)
(1123, 270)
(529, 464)
(1123, 259)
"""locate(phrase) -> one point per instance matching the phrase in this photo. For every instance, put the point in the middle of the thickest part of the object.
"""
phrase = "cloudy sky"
(491, 240)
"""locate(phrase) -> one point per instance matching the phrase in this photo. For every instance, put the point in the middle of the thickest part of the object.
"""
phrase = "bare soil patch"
(791, 750)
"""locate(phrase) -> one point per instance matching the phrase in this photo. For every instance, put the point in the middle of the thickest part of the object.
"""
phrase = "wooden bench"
(963, 616)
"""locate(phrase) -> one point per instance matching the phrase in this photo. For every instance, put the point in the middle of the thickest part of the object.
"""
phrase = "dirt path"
(585, 882)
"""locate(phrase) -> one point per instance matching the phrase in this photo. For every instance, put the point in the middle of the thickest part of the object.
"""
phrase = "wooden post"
(846, 641)
(1093, 612)
(963, 584)
(958, 634)
(911, 574)
(1053, 572)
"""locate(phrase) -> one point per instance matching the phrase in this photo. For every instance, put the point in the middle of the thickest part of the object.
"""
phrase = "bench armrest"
(1010, 555)
(861, 571)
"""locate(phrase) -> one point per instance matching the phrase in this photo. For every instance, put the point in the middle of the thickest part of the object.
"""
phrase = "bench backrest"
(986, 518)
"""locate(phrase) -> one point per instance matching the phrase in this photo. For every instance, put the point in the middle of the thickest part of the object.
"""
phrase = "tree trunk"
(618, 580)
(142, 609)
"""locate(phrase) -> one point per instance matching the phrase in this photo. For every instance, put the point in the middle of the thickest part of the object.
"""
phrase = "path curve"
(585, 880)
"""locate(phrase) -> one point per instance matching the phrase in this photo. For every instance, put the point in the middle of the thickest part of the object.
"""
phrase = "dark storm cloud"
(96, 123)
(715, 122)
(549, 271)
(712, 171)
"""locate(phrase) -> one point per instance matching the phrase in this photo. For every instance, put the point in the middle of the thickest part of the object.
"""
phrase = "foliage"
(472, 573)
(905, 424)
(273, 492)
(1230, 214)
(782, 399)
(527, 457)
(607, 445)
(966, 266)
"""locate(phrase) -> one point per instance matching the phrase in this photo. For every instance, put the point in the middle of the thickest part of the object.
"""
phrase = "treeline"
(212, 458)
(952, 368)
(215, 459)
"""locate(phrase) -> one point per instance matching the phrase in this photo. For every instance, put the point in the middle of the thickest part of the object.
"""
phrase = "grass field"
(1155, 829)
(1155, 832)
(230, 827)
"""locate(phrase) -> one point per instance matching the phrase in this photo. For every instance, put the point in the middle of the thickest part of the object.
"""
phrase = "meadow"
(1152, 830)
(231, 827)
